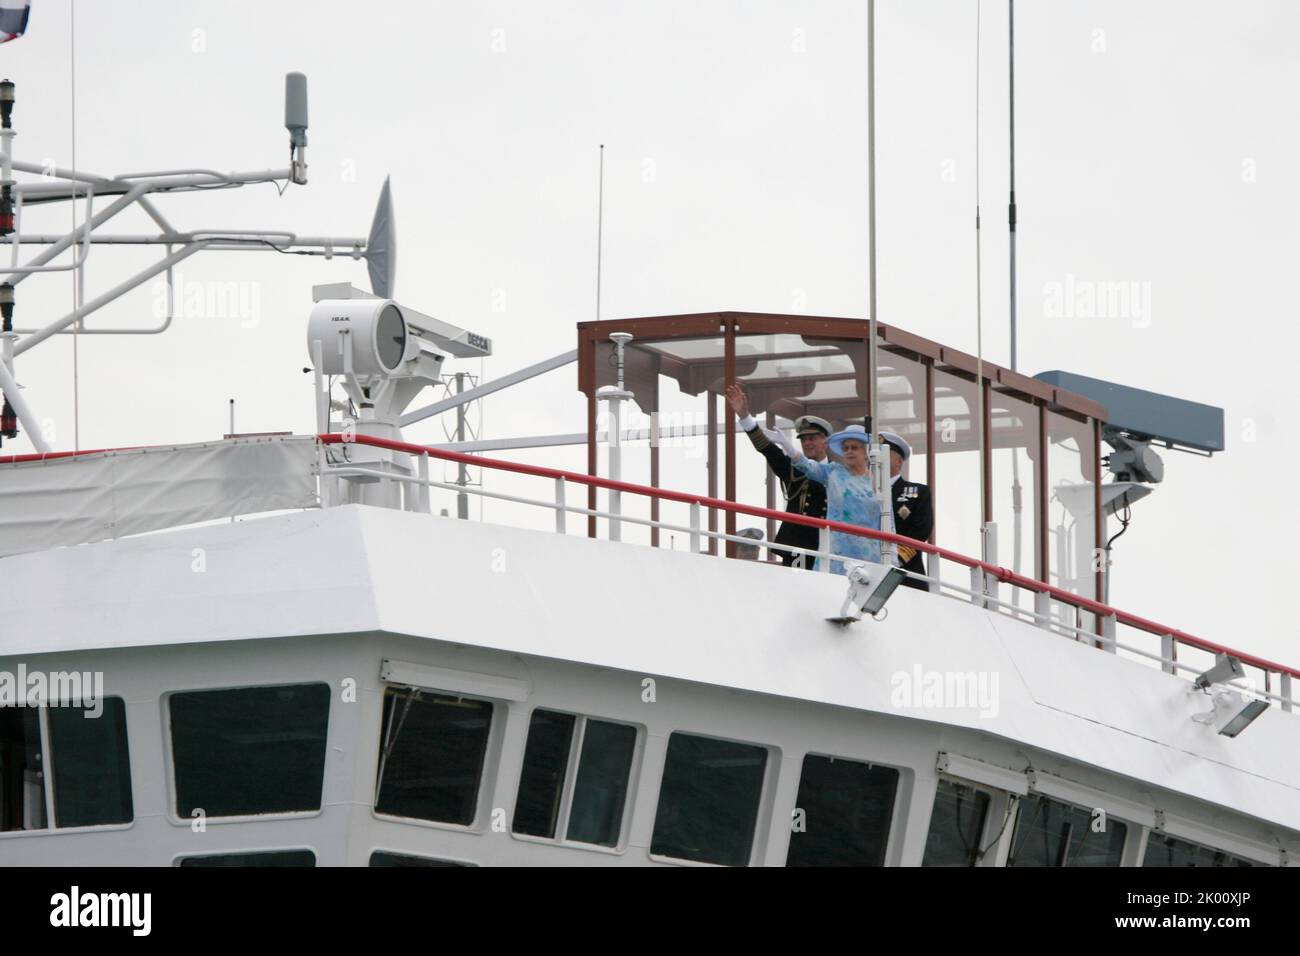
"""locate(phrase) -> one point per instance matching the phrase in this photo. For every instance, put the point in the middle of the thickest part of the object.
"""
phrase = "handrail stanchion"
(1108, 634)
(422, 464)
(1284, 690)
(824, 547)
(990, 539)
(560, 504)
(1043, 608)
(977, 584)
(934, 569)
(695, 527)
(1169, 653)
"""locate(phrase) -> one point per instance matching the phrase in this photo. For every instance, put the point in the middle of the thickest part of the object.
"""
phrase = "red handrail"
(1005, 575)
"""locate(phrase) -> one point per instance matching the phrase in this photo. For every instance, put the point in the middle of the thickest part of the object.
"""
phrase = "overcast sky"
(1157, 143)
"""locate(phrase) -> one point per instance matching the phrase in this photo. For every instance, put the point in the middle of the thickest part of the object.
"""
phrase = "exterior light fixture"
(870, 587)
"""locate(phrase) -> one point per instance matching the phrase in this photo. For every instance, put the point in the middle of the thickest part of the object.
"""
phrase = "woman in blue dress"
(850, 496)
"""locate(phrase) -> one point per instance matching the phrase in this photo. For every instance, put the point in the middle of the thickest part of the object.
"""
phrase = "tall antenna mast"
(871, 220)
(600, 222)
(978, 425)
(1016, 505)
(1011, 206)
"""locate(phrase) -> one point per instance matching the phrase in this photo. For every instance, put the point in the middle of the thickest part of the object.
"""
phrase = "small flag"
(13, 18)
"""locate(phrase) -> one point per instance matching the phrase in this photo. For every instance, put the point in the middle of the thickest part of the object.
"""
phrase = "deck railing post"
(1284, 690)
(423, 466)
(977, 585)
(560, 502)
(1043, 609)
(824, 548)
(990, 538)
(1108, 633)
(1168, 654)
(695, 527)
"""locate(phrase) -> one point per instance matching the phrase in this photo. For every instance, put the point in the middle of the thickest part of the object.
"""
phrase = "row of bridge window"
(254, 751)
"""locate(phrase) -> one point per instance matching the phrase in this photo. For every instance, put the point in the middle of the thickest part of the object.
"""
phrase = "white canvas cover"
(63, 501)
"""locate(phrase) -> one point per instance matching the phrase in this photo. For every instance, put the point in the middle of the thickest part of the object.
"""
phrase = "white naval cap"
(898, 443)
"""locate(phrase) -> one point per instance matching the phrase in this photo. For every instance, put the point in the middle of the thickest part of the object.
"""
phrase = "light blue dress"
(850, 499)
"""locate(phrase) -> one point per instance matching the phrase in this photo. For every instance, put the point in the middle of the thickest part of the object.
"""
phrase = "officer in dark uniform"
(913, 508)
(802, 496)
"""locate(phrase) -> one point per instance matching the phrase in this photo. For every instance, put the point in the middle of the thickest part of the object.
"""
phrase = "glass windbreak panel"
(958, 510)
(249, 750)
(384, 858)
(259, 858)
(541, 783)
(92, 765)
(22, 770)
(600, 792)
(1050, 833)
(1071, 475)
(708, 800)
(1016, 463)
(432, 753)
(1164, 850)
(900, 393)
(956, 825)
(843, 813)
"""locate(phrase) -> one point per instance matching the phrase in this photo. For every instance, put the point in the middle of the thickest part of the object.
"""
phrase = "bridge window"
(956, 825)
(92, 765)
(1164, 850)
(258, 858)
(1051, 833)
(432, 754)
(22, 769)
(92, 769)
(590, 809)
(843, 813)
(708, 800)
(249, 750)
(386, 858)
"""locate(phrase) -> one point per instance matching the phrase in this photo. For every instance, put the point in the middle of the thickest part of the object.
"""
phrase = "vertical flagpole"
(871, 218)
(1016, 505)
(1011, 206)
(600, 222)
(978, 424)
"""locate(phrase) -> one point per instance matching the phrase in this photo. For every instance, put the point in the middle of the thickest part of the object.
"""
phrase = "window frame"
(181, 855)
(169, 761)
(996, 854)
(897, 812)
(1134, 831)
(51, 827)
(491, 757)
(571, 781)
(761, 840)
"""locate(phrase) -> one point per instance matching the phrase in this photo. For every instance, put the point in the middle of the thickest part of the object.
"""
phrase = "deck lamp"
(870, 587)
(1232, 712)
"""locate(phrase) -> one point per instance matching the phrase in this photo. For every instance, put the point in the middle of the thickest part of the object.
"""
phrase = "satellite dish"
(381, 246)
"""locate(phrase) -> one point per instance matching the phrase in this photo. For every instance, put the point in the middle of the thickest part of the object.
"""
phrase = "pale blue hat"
(851, 433)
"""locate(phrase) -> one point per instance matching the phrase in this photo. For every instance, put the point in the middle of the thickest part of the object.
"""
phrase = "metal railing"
(1094, 622)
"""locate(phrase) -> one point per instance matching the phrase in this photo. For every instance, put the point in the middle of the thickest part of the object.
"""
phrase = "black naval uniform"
(802, 497)
(913, 518)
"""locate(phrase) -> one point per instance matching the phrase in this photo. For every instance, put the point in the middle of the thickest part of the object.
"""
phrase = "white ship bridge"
(353, 674)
